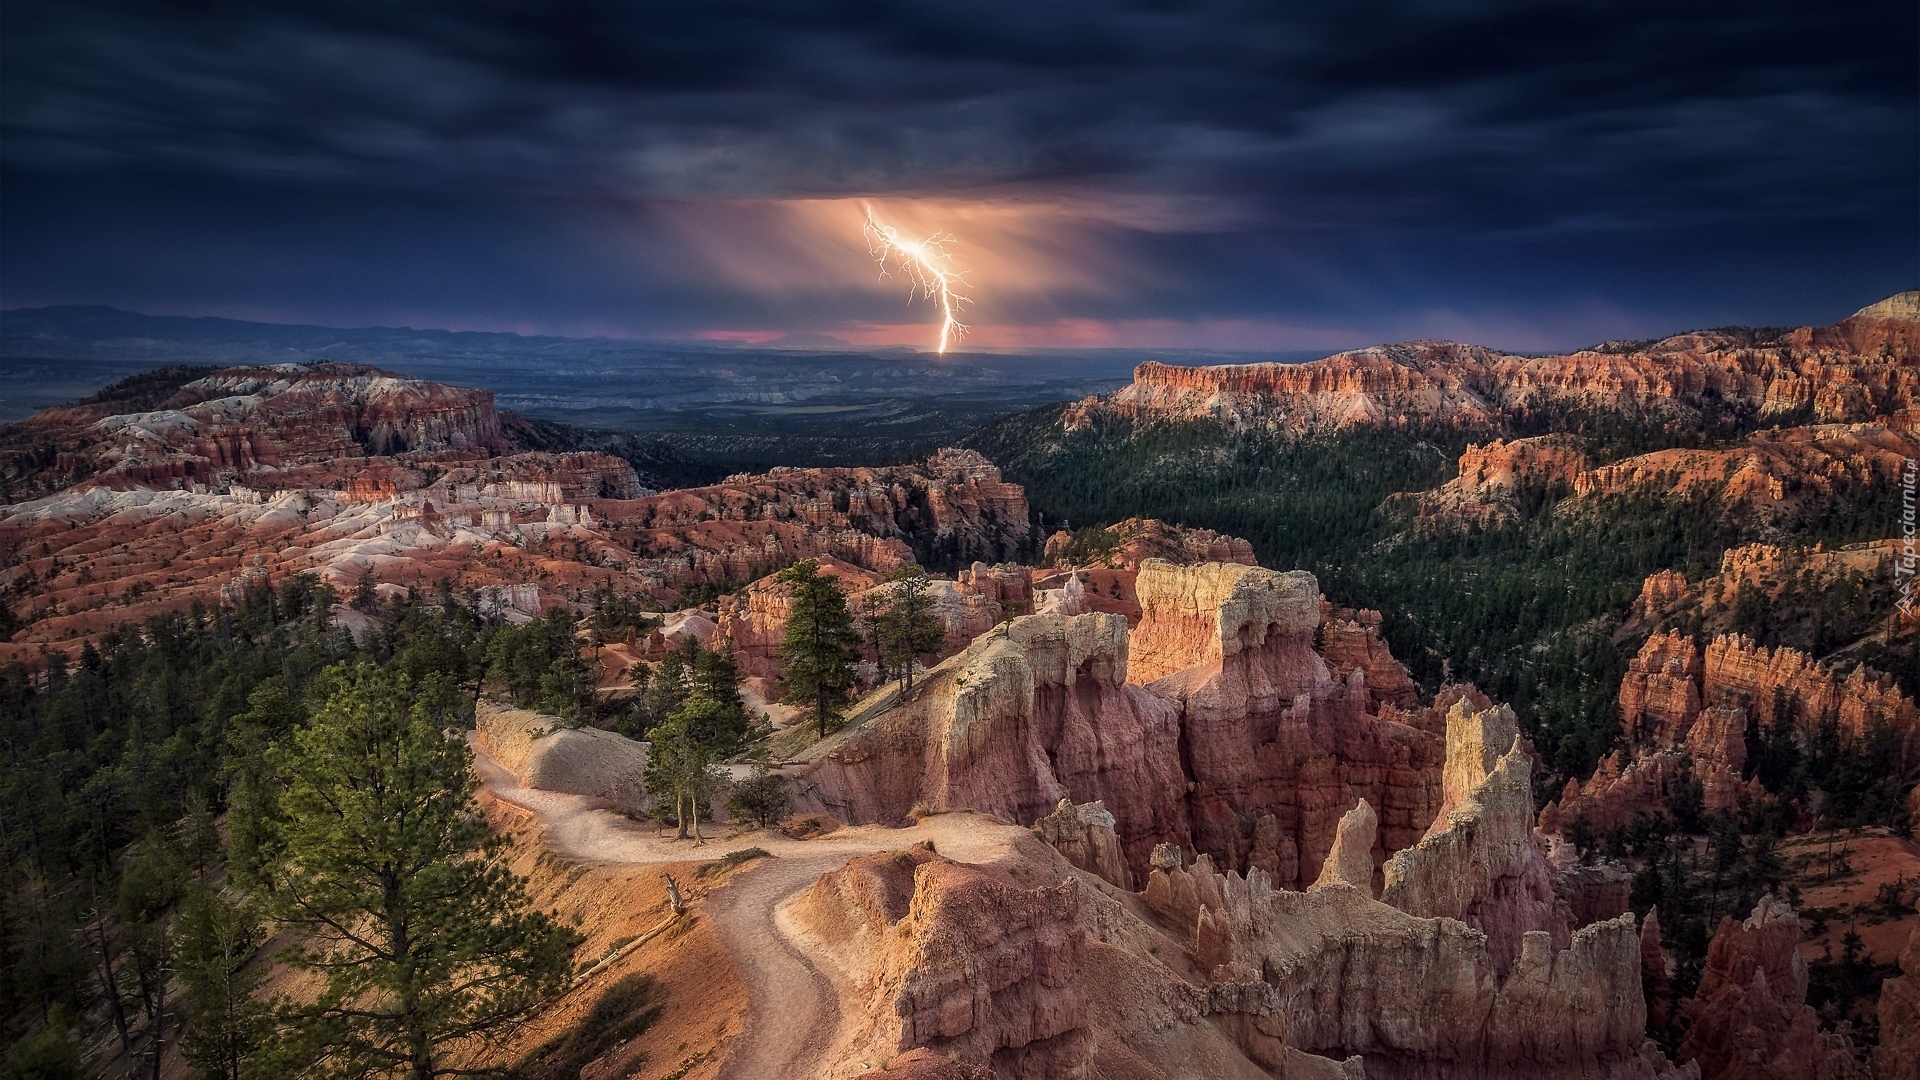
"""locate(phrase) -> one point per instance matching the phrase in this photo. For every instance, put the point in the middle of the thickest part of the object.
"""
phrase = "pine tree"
(214, 943)
(709, 726)
(821, 646)
(387, 876)
(907, 628)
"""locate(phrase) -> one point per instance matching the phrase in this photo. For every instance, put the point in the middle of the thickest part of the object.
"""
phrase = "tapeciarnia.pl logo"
(1904, 566)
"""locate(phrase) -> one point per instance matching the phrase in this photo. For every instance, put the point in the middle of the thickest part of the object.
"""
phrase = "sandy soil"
(794, 995)
(1851, 899)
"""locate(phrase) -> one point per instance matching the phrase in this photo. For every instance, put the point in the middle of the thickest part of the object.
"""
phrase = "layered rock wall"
(1689, 713)
(1334, 973)
(1028, 715)
(1852, 372)
(1241, 745)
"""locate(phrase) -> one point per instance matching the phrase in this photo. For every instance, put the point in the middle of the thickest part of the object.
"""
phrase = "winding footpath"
(797, 1011)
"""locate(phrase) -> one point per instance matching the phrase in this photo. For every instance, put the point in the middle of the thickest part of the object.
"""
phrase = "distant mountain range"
(800, 399)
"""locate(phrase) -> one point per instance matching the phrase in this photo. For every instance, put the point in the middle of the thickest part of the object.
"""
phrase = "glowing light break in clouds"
(928, 266)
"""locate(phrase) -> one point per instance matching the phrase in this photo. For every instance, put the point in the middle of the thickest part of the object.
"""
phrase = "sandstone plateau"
(1851, 372)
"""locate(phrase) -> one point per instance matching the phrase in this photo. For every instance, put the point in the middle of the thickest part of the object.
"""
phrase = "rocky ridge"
(1213, 724)
(1774, 472)
(1687, 712)
(350, 473)
(1853, 371)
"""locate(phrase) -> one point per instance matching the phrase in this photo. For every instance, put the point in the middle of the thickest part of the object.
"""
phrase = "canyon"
(351, 473)
(1151, 808)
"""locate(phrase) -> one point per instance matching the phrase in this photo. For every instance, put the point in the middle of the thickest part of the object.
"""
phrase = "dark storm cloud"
(1348, 141)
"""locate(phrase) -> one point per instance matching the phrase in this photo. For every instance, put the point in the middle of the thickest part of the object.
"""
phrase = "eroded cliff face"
(1022, 967)
(971, 964)
(266, 422)
(1854, 371)
(1775, 473)
(1762, 570)
(524, 530)
(1470, 964)
(1383, 385)
(1240, 743)
(1275, 747)
(1334, 973)
(752, 623)
(1480, 863)
(1028, 715)
(1688, 713)
(1494, 474)
(1750, 1019)
(951, 509)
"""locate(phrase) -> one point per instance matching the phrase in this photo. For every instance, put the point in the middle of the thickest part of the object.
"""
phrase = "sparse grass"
(729, 861)
(807, 826)
(623, 1012)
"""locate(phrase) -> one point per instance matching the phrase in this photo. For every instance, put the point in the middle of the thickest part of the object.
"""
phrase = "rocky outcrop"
(1749, 1018)
(1083, 834)
(1351, 640)
(1659, 593)
(1657, 975)
(1276, 749)
(1859, 369)
(1019, 965)
(1688, 714)
(272, 423)
(972, 965)
(1240, 744)
(1480, 863)
(549, 756)
(1493, 474)
(1775, 472)
(1028, 715)
(1218, 618)
(949, 511)
(1135, 540)
(1350, 861)
(1334, 973)
(752, 623)
(1767, 572)
(1898, 1055)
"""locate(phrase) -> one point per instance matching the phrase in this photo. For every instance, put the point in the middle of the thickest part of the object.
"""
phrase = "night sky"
(1246, 176)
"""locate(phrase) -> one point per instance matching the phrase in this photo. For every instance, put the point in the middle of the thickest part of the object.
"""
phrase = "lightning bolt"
(927, 266)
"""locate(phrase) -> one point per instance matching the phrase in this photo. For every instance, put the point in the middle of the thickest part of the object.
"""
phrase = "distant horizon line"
(716, 344)
(829, 343)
